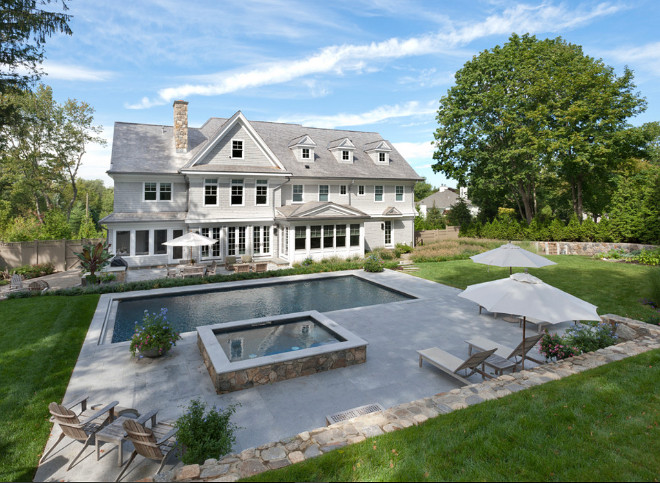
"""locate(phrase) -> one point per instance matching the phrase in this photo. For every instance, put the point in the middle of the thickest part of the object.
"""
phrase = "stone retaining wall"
(587, 248)
(637, 337)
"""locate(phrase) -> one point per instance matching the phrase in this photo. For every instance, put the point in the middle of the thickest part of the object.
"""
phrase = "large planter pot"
(152, 353)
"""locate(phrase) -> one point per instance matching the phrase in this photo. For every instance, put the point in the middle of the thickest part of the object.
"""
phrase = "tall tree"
(514, 118)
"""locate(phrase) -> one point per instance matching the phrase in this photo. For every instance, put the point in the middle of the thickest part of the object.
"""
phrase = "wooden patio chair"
(242, 268)
(81, 426)
(173, 273)
(230, 261)
(16, 283)
(452, 364)
(153, 443)
(211, 269)
(514, 355)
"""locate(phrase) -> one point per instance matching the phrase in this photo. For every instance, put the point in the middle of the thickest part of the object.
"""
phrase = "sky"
(367, 65)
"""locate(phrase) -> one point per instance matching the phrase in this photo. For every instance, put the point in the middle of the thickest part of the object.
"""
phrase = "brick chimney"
(181, 126)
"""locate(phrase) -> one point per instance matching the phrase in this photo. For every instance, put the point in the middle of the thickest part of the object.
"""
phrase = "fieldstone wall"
(637, 337)
(266, 374)
(587, 248)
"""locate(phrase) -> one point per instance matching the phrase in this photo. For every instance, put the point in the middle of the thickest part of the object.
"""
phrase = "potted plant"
(93, 258)
(154, 336)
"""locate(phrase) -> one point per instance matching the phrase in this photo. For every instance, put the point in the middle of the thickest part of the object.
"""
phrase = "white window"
(160, 237)
(210, 192)
(262, 192)
(346, 155)
(381, 157)
(323, 192)
(300, 238)
(235, 240)
(328, 236)
(157, 191)
(297, 193)
(315, 236)
(388, 233)
(165, 191)
(378, 193)
(150, 191)
(399, 193)
(355, 235)
(261, 240)
(342, 189)
(142, 242)
(236, 192)
(305, 153)
(360, 190)
(237, 149)
(213, 250)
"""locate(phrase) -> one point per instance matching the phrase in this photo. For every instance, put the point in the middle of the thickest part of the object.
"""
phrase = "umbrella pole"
(523, 341)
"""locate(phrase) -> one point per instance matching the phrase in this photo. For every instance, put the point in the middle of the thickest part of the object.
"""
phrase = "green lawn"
(600, 425)
(41, 340)
(615, 288)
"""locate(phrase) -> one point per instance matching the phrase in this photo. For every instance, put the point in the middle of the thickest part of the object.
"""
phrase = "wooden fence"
(430, 236)
(61, 253)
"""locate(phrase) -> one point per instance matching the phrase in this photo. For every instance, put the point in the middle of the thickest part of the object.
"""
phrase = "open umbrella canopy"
(190, 239)
(510, 255)
(525, 295)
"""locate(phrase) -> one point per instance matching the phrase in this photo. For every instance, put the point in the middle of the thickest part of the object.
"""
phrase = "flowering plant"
(373, 263)
(154, 333)
(555, 346)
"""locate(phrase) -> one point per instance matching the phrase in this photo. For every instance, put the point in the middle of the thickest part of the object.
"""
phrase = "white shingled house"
(274, 191)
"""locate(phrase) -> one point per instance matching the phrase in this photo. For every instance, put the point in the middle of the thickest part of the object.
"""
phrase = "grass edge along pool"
(233, 376)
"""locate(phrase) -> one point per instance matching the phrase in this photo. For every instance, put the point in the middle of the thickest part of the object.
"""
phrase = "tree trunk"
(578, 211)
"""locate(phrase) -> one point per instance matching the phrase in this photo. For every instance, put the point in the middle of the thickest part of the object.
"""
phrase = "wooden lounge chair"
(452, 364)
(246, 258)
(16, 283)
(230, 261)
(260, 267)
(211, 269)
(154, 443)
(505, 352)
(81, 426)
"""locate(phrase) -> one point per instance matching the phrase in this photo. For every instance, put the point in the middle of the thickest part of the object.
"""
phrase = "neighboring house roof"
(143, 217)
(149, 149)
(319, 209)
(443, 200)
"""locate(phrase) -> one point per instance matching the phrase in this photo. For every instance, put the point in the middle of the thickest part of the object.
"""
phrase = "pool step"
(354, 413)
(407, 266)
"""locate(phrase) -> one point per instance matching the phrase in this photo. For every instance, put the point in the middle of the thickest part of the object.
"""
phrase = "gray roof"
(149, 148)
(299, 211)
(442, 199)
(142, 217)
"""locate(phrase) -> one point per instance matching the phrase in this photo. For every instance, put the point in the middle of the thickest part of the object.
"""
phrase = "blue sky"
(369, 65)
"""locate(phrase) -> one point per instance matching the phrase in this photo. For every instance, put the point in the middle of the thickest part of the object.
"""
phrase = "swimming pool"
(192, 309)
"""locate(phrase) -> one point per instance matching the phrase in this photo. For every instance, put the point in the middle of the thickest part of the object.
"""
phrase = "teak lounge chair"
(81, 426)
(502, 351)
(154, 443)
(452, 364)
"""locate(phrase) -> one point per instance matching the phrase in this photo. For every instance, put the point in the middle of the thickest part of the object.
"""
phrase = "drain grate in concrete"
(354, 413)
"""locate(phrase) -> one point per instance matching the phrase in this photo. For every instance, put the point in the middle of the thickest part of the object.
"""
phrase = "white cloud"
(72, 72)
(341, 58)
(416, 151)
(647, 56)
(145, 103)
(381, 113)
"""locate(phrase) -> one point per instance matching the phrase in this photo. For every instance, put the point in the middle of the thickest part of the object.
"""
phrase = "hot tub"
(248, 353)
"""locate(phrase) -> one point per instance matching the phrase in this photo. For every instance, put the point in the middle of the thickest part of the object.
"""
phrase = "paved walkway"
(390, 376)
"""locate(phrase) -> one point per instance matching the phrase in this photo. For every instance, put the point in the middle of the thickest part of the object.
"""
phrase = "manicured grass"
(600, 425)
(41, 340)
(615, 288)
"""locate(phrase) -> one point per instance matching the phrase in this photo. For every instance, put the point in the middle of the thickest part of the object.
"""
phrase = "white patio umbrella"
(191, 239)
(510, 255)
(528, 296)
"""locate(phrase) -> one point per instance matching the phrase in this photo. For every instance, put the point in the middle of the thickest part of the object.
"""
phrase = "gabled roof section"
(302, 141)
(319, 209)
(237, 118)
(342, 143)
(392, 211)
(380, 146)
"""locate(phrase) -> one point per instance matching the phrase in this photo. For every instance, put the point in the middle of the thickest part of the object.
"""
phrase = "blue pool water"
(266, 340)
(188, 311)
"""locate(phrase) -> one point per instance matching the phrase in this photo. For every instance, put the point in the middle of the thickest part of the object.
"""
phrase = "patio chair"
(246, 258)
(230, 261)
(16, 283)
(173, 273)
(505, 352)
(153, 443)
(452, 364)
(81, 426)
(260, 267)
(38, 286)
(211, 268)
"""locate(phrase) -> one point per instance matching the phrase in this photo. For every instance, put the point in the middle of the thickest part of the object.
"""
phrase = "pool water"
(187, 311)
(266, 340)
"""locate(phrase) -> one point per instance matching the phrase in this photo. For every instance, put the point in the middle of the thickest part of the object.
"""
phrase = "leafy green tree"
(55, 226)
(515, 117)
(434, 219)
(422, 189)
(459, 214)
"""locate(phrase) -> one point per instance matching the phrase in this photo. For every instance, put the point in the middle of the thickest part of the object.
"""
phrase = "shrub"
(589, 337)
(307, 262)
(33, 271)
(373, 263)
(153, 333)
(401, 248)
(556, 347)
(94, 257)
(651, 257)
(202, 435)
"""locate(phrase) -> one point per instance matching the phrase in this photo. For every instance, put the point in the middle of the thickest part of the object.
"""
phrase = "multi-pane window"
(378, 193)
(355, 235)
(341, 236)
(177, 252)
(262, 192)
(261, 239)
(285, 240)
(305, 153)
(301, 237)
(236, 240)
(160, 237)
(381, 157)
(123, 243)
(342, 189)
(142, 242)
(236, 149)
(231, 240)
(297, 193)
(150, 193)
(241, 240)
(323, 192)
(213, 250)
(345, 156)
(328, 236)
(236, 191)
(399, 193)
(211, 191)
(265, 247)
(388, 233)
(361, 190)
(165, 191)
(315, 236)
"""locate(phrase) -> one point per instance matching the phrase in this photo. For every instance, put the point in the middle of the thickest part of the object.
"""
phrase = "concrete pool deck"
(272, 412)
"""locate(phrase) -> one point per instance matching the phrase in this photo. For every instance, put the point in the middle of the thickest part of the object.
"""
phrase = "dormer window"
(305, 153)
(345, 156)
(379, 151)
(342, 149)
(237, 149)
(381, 157)
(303, 148)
